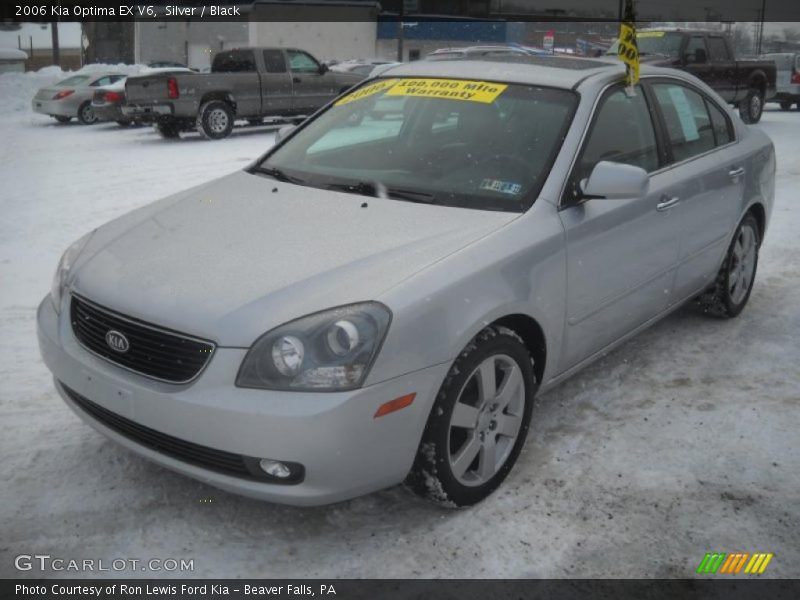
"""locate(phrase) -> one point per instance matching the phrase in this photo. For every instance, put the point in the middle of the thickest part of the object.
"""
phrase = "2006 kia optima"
(379, 297)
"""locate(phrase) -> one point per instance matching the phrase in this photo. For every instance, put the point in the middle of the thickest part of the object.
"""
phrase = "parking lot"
(683, 441)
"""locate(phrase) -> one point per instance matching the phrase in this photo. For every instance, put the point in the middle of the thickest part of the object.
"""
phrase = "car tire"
(734, 281)
(786, 105)
(62, 119)
(86, 114)
(124, 122)
(169, 130)
(215, 120)
(752, 107)
(472, 438)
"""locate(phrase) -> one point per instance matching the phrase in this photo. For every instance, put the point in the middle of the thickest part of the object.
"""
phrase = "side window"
(717, 49)
(237, 61)
(688, 125)
(720, 123)
(301, 62)
(696, 50)
(274, 61)
(622, 132)
(102, 81)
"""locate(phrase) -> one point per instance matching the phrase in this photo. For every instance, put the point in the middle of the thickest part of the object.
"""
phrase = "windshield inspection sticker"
(366, 91)
(504, 187)
(449, 89)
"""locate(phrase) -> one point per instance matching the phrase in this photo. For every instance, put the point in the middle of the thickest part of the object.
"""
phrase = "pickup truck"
(246, 83)
(745, 83)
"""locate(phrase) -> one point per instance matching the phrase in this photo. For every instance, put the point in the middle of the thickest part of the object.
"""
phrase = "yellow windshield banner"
(629, 52)
(449, 89)
(649, 34)
(367, 90)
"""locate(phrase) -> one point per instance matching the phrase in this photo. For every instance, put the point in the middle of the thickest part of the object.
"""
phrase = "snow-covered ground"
(684, 441)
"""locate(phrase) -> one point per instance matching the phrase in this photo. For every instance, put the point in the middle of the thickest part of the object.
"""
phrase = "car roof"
(560, 71)
(551, 71)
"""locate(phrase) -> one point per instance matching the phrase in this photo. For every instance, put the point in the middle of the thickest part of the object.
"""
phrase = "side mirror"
(615, 181)
(323, 68)
(284, 132)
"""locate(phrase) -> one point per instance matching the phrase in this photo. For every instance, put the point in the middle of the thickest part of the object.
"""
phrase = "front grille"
(152, 350)
(228, 463)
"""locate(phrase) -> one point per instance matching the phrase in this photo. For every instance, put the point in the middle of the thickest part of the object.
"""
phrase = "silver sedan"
(72, 97)
(380, 296)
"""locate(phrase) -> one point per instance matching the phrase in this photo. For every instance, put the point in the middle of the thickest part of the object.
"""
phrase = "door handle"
(667, 203)
(734, 173)
(296, 80)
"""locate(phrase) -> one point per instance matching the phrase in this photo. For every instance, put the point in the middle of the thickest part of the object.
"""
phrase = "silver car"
(72, 97)
(378, 299)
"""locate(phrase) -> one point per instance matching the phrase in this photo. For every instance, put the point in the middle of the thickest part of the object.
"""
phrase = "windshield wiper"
(378, 190)
(280, 175)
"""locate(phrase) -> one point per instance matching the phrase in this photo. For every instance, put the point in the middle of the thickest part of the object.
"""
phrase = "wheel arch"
(759, 212)
(532, 336)
(221, 95)
(758, 80)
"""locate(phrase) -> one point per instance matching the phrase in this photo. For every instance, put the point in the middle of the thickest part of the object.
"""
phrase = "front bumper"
(61, 108)
(344, 450)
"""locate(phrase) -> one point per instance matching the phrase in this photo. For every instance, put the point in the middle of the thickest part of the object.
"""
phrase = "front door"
(621, 253)
(313, 86)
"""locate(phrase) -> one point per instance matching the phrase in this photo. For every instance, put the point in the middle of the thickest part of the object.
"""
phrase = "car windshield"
(453, 142)
(75, 80)
(659, 43)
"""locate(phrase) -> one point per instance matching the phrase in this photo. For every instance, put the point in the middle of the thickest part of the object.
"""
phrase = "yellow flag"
(628, 50)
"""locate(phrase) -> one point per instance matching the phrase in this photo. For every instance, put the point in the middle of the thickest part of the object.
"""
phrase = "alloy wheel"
(743, 263)
(486, 420)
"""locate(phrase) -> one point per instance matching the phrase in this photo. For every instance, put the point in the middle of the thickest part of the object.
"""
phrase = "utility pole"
(400, 32)
(54, 39)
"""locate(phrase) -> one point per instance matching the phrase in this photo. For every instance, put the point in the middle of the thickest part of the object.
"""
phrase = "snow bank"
(17, 89)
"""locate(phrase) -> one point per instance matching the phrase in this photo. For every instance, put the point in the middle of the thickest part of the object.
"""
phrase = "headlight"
(62, 272)
(327, 351)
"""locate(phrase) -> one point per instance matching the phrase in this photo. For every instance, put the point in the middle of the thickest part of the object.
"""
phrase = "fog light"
(275, 468)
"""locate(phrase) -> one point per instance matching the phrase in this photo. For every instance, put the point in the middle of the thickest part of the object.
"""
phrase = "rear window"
(75, 80)
(239, 61)
(274, 61)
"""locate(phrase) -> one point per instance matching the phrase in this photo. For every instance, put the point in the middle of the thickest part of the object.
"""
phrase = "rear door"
(709, 180)
(312, 87)
(235, 71)
(276, 83)
(621, 253)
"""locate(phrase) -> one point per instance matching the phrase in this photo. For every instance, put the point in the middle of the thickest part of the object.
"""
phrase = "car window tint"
(239, 61)
(300, 62)
(274, 61)
(696, 50)
(686, 117)
(717, 49)
(720, 123)
(622, 132)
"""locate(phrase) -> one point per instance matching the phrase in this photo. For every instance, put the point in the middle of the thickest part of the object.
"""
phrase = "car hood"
(236, 257)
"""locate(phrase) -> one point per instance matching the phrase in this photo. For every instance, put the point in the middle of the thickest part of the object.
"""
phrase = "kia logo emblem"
(117, 341)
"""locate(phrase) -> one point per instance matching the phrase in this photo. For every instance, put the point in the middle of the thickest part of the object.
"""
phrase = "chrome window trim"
(601, 95)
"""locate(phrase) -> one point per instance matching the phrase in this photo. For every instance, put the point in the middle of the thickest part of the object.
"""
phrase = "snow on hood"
(243, 254)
